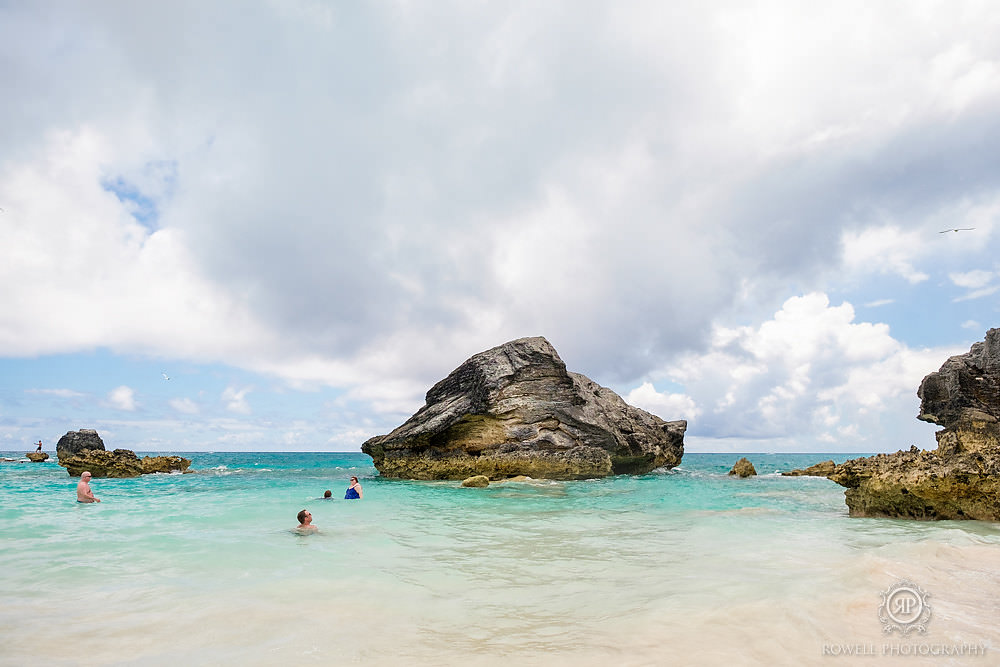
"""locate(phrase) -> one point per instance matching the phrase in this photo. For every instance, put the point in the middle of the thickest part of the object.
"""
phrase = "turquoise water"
(687, 566)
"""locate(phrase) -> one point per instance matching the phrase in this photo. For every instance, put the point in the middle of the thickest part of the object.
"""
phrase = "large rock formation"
(84, 450)
(515, 410)
(961, 478)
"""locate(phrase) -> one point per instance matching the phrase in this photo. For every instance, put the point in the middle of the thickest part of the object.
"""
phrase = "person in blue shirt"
(354, 491)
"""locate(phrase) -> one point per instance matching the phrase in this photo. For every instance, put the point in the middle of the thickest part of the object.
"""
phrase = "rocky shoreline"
(958, 480)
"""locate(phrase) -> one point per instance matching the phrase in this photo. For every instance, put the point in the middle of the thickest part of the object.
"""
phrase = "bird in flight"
(960, 229)
(165, 376)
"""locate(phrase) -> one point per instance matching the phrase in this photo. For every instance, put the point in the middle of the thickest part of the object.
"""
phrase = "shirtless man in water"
(83, 492)
(305, 522)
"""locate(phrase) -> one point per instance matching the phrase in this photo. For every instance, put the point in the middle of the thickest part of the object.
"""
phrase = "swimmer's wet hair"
(302, 515)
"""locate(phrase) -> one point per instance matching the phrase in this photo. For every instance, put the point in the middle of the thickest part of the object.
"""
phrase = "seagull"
(165, 376)
(960, 229)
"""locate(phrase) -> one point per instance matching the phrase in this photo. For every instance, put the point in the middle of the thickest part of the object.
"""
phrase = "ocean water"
(685, 567)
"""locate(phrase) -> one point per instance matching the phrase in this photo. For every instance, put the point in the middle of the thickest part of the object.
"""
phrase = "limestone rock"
(743, 468)
(515, 410)
(961, 478)
(77, 441)
(102, 463)
(476, 481)
(823, 469)
(919, 484)
(965, 383)
(37, 457)
(84, 450)
(152, 464)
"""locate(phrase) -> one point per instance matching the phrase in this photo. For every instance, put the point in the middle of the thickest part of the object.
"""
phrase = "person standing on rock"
(354, 491)
(39, 446)
(83, 492)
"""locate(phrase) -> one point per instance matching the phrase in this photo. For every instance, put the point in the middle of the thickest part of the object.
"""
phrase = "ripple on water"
(673, 565)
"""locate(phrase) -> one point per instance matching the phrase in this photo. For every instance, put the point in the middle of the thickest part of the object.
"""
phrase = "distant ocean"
(683, 567)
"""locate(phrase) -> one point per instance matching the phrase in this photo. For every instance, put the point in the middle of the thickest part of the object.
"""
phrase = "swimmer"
(354, 491)
(83, 492)
(305, 522)
(328, 495)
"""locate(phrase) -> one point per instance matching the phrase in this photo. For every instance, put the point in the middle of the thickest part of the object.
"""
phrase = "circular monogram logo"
(904, 608)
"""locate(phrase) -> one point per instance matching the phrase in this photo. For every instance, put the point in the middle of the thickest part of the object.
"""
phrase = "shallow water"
(688, 566)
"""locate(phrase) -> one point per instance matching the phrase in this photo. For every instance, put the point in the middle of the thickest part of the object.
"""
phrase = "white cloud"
(236, 399)
(637, 183)
(978, 283)
(811, 375)
(885, 250)
(972, 279)
(184, 405)
(667, 406)
(878, 303)
(60, 393)
(979, 293)
(122, 398)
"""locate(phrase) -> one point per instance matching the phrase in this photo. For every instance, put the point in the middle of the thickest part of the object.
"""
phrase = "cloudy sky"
(304, 213)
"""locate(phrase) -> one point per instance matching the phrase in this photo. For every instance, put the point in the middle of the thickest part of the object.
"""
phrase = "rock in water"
(822, 469)
(743, 468)
(77, 441)
(476, 482)
(515, 410)
(102, 463)
(961, 478)
(166, 464)
(37, 457)
(84, 450)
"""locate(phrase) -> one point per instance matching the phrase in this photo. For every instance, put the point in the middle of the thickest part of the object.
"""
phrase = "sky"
(267, 225)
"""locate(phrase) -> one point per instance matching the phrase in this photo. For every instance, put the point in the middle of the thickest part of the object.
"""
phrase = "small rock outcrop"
(516, 410)
(476, 481)
(37, 457)
(84, 450)
(164, 464)
(743, 468)
(823, 469)
(961, 478)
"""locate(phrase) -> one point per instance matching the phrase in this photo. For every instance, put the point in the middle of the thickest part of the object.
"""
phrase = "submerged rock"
(515, 410)
(84, 450)
(961, 478)
(743, 468)
(37, 457)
